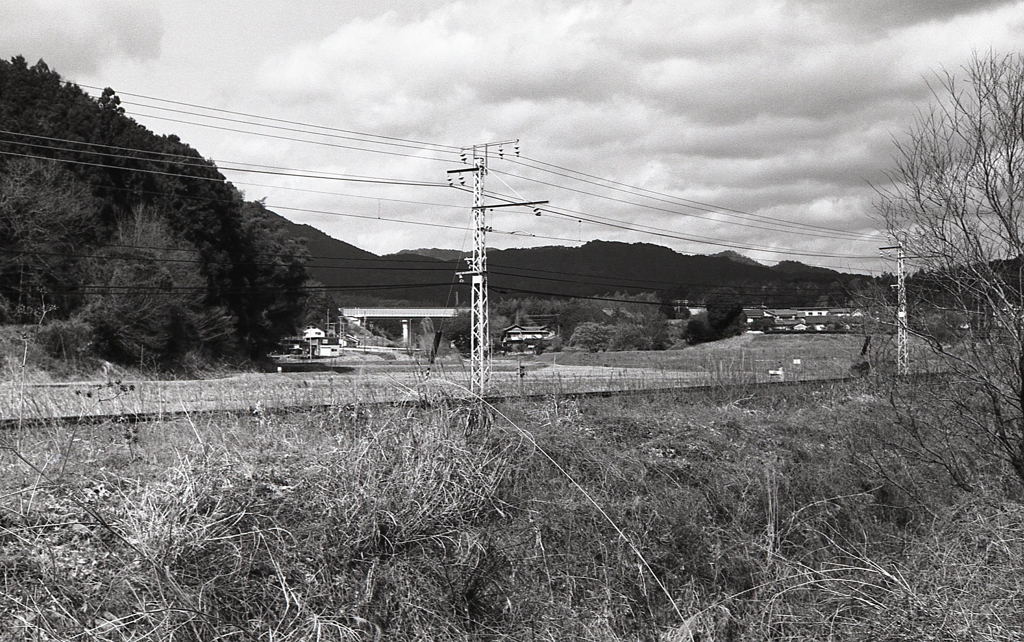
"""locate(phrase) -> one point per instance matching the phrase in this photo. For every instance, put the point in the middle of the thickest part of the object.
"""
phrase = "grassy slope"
(820, 355)
(760, 516)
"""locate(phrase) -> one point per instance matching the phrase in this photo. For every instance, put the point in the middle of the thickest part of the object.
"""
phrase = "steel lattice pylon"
(902, 334)
(480, 354)
(480, 341)
(902, 329)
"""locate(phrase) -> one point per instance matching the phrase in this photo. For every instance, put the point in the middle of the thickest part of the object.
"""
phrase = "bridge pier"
(406, 315)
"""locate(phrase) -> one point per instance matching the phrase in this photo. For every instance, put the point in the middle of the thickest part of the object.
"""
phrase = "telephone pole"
(480, 352)
(902, 333)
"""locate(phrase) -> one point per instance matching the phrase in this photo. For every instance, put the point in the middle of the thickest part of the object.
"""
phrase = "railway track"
(424, 400)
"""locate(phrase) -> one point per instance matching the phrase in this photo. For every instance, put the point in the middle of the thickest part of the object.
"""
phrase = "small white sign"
(796, 362)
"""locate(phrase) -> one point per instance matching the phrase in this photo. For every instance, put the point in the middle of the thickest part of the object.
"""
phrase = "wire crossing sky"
(759, 126)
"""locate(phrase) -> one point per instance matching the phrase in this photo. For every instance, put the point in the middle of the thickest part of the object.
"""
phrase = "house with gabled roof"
(519, 337)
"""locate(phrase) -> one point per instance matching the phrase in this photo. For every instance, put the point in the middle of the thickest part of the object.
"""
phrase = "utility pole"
(480, 348)
(902, 333)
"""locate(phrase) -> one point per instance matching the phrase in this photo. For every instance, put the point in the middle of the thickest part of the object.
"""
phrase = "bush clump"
(68, 340)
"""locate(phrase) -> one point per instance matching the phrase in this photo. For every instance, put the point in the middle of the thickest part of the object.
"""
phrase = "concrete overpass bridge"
(363, 315)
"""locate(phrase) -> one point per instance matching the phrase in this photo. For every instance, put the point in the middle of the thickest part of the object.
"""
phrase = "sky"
(760, 126)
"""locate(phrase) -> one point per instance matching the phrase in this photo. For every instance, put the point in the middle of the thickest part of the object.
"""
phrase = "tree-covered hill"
(132, 241)
(595, 269)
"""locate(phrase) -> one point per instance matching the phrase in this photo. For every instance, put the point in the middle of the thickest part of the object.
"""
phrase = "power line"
(164, 259)
(646, 229)
(192, 160)
(694, 238)
(594, 219)
(840, 236)
(588, 178)
(668, 198)
(294, 140)
(290, 129)
(98, 288)
(557, 295)
(654, 231)
(432, 265)
(195, 161)
(572, 214)
(179, 159)
(440, 146)
(773, 224)
(758, 289)
(333, 177)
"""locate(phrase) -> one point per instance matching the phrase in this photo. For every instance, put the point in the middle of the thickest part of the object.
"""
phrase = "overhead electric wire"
(792, 227)
(164, 259)
(594, 219)
(193, 161)
(820, 231)
(190, 161)
(95, 289)
(296, 140)
(774, 225)
(695, 238)
(634, 227)
(374, 180)
(278, 207)
(106, 289)
(509, 290)
(646, 229)
(347, 195)
(668, 198)
(334, 177)
(361, 216)
(526, 162)
(423, 265)
(289, 129)
(844, 236)
(180, 159)
(761, 289)
(280, 120)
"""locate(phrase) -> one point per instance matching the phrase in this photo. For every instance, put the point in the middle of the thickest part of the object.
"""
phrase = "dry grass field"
(775, 513)
(731, 513)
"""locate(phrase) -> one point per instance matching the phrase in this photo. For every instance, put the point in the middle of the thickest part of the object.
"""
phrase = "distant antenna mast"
(480, 353)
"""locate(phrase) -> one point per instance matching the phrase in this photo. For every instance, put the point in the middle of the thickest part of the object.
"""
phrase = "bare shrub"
(955, 208)
(68, 340)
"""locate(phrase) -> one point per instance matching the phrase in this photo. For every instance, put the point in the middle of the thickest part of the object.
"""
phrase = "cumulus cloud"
(77, 37)
(782, 108)
(883, 15)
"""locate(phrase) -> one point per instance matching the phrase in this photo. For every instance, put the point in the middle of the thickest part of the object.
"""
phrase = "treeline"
(622, 321)
(129, 245)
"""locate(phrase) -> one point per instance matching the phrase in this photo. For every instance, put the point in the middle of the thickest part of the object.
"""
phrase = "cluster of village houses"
(803, 319)
(335, 339)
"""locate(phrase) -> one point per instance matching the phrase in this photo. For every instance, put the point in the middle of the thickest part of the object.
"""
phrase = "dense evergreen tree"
(136, 233)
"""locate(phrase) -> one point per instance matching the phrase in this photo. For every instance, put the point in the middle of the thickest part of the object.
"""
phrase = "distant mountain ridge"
(736, 256)
(437, 253)
(597, 268)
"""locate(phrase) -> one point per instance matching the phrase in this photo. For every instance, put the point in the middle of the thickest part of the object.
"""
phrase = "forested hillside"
(127, 244)
(595, 269)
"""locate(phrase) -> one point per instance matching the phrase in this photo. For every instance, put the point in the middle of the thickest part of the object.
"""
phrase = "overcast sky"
(768, 113)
